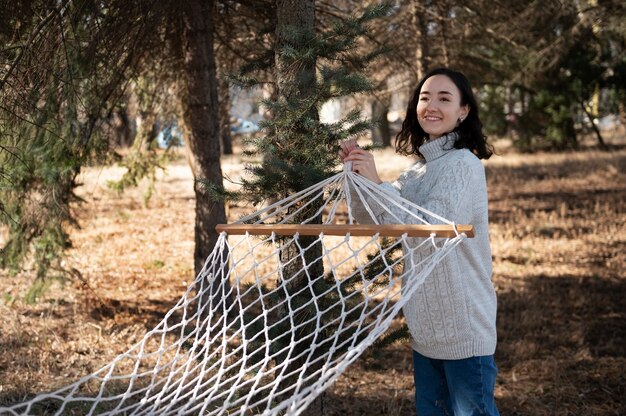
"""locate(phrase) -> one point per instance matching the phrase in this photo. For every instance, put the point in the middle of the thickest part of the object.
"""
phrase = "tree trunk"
(224, 100)
(569, 130)
(147, 129)
(300, 14)
(381, 135)
(201, 123)
(293, 83)
(121, 129)
(443, 11)
(595, 128)
(420, 28)
(297, 83)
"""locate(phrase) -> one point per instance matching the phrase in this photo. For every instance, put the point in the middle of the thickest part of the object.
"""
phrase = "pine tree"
(299, 150)
(65, 70)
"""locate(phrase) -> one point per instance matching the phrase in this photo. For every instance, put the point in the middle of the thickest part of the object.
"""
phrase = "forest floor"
(558, 234)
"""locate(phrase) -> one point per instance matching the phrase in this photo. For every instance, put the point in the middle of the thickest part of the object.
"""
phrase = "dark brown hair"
(470, 131)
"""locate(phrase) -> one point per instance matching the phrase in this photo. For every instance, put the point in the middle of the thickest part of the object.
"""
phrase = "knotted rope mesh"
(271, 321)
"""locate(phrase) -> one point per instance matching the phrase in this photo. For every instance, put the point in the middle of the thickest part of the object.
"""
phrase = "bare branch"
(32, 37)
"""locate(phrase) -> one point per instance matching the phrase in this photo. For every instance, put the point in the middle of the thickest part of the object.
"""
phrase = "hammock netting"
(271, 321)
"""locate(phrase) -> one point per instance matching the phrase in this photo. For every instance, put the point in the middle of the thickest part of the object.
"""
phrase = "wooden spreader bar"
(357, 230)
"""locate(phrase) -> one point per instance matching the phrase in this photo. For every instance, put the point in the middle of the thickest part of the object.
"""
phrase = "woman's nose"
(430, 105)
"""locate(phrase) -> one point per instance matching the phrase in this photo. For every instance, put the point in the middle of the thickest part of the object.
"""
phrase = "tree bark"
(122, 134)
(595, 128)
(224, 101)
(381, 134)
(298, 83)
(294, 82)
(420, 28)
(443, 11)
(200, 111)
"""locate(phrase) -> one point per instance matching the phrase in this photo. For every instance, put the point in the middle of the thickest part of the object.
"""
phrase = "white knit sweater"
(452, 315)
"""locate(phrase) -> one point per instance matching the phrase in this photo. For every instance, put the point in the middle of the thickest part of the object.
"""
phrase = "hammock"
(278, 312)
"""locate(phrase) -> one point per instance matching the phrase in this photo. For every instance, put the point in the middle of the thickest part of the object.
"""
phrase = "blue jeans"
(454, 387)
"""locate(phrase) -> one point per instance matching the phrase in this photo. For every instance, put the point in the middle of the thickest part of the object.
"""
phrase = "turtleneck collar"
(436, 148)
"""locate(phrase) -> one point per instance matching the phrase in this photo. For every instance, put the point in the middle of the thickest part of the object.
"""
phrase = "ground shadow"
(566, 337)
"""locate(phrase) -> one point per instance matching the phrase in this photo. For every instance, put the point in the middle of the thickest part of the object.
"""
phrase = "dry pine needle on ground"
(558, 238)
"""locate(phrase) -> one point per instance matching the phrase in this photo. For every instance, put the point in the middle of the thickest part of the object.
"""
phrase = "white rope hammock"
(248, 337)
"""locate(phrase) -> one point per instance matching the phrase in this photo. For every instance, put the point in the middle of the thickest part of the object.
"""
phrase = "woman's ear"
(464, 112)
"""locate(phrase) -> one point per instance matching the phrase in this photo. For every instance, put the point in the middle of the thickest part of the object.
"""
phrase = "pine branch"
(31, 39)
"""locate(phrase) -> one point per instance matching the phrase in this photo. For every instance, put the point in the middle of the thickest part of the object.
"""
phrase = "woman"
(452, 315)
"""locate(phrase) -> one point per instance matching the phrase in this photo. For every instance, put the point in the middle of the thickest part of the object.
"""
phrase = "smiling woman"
(439, 109)
(461, 108)
(452, 315)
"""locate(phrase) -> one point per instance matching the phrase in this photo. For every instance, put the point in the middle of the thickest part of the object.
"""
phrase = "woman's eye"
(423, 98)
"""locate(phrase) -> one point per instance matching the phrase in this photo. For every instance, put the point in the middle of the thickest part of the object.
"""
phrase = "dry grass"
(557, 231)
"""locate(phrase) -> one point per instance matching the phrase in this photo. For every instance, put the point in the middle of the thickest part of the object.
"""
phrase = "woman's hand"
(346, 147)
(362, 161)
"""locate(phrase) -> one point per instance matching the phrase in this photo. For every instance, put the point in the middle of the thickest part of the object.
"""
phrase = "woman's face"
(439, 106)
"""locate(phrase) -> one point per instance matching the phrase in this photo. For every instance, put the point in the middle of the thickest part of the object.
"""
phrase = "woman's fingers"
(363, 163)
(347, 146)
(359, 154)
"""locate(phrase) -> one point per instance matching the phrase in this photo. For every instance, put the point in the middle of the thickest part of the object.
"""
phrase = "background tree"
(66, 73)
(311, 67)
(201, 121)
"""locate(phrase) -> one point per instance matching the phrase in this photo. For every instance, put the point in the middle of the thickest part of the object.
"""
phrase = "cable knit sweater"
(452, 315)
